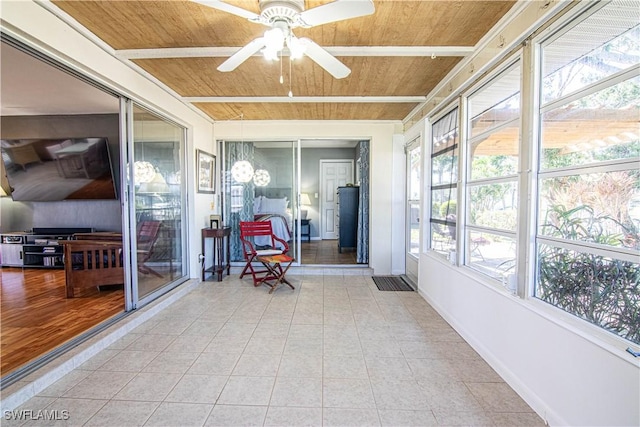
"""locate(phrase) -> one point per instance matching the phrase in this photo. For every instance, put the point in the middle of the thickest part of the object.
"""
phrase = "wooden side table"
(221, 238)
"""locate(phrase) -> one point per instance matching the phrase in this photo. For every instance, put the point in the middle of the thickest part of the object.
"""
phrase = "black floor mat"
(391, 283)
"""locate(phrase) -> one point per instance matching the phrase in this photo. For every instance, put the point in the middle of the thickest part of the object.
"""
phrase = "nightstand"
(305, 232)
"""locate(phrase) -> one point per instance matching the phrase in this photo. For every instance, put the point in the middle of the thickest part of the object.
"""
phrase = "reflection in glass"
(598, 127)
(157, 201)
(573, 61)
(496, 103)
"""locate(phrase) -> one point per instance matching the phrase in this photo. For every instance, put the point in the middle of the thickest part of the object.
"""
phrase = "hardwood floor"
(37, 317)
(318, 252)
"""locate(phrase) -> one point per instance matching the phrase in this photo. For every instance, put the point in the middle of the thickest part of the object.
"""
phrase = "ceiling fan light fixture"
(296, 47)
(275, 37)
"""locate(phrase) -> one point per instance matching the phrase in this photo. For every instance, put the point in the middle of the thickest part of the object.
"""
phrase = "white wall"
(565, 377)
(382, 165)
(34, 25)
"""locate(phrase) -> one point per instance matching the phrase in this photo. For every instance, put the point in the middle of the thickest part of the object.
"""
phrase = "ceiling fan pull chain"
(290, 78)
(281, 78)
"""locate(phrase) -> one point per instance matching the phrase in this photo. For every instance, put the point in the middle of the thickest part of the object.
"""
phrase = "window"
(588, 238)
(444, 187)
(413, 201)
(492, 180)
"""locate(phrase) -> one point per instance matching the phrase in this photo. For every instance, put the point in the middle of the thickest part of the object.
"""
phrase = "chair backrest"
(147, 234)
(250, 230)
(255, 228)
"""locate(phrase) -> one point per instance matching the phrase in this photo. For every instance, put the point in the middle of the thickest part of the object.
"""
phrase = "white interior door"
(333, 174)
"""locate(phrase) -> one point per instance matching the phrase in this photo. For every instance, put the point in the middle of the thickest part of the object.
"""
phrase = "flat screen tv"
(58, 169)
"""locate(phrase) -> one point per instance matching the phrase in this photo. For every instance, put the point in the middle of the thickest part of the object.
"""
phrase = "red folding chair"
(249, 230)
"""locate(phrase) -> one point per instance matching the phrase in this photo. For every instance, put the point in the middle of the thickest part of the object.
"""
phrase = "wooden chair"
(249, 230)
(146, 238)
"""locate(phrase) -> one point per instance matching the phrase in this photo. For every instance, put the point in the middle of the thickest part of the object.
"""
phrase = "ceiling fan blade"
(324, 59)
(337, 11)
(242, 55)
(229, 8)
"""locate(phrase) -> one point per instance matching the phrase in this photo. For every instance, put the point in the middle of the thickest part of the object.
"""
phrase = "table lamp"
(304, 201)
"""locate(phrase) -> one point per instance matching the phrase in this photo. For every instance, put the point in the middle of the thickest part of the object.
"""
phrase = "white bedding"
(277, 212)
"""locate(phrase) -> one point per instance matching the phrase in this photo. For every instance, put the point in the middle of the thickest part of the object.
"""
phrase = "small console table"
(220, 239)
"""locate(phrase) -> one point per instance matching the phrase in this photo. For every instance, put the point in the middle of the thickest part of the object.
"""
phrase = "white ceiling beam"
(226, 51)
(302, 99)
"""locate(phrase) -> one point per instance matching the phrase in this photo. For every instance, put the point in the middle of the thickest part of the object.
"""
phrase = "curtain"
(362, 255)
(238, 196)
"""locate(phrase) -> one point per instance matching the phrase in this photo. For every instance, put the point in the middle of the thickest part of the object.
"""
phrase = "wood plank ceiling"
(155, 35)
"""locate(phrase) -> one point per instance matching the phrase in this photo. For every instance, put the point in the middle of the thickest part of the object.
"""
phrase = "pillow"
(277, 206)
(257, 204)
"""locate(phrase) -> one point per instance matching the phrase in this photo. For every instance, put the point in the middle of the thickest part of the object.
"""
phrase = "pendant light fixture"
(242, 170)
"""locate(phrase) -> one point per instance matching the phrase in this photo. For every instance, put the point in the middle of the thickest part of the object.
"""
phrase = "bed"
(272, 204)
(81, 270)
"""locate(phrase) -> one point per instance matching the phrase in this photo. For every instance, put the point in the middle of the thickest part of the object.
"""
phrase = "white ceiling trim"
(226, 51)
(302, 99)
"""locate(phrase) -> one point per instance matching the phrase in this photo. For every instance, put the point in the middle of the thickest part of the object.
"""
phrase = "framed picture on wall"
(215, 221)
(206, 167)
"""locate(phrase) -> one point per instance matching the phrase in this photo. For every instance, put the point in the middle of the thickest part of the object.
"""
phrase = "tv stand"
(38, 249)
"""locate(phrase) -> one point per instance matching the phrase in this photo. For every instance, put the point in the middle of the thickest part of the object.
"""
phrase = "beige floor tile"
(69, 412)
(341, 417)
(388, 367)
(129, 361)
(257, 365)
(399, 394)
(303, 332)
(171, 363)
(406, 418)
(180, 414)
(203, 327)
(449, 417)
(345, 367)
(300, 392)
(123, 413)
(300, 366)
(148, 386)
(255, 391)
(197, 389)
(454, 396)
(100, 385)
(188, 344)
(310, 346)
(65, 383)
(288, 416)
(498, 397)
(237, 416)
(214, 364)
(227, 344)
(347, 393)
(273, 345)
(151, 342)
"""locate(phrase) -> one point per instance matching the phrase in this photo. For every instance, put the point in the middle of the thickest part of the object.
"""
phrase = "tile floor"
(334, 352)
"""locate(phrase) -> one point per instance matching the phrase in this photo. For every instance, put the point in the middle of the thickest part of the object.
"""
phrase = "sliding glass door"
(157, 214)
(260, 185)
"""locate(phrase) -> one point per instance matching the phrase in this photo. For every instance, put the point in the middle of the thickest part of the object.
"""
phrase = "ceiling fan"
(283, 16)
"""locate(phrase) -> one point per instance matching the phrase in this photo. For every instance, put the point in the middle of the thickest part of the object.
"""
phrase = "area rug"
(391, 283)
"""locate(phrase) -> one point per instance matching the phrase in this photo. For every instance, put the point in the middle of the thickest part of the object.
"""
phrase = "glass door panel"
(158, 199)
(265, 191)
